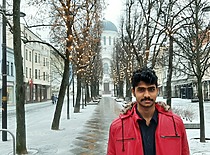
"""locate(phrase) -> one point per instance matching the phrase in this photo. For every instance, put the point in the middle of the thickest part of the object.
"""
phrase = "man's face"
(145, 94)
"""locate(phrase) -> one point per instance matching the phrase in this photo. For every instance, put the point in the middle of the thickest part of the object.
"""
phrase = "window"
(35, 73)
(110, 40)
(104, 40)
(106, 68)
(7, 67)
(12, 71)
(47, 79)
(30, 73)
(35, 58)
(26, 54)
(43, 61)
(44, 76)
(39, 58)
(39, 75)
(47, 62)
(26, 72)
(30, 56)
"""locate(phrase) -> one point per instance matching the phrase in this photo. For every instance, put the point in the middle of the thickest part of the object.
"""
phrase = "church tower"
(108, 38)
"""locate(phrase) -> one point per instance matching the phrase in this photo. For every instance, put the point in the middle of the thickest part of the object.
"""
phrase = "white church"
(108, 39)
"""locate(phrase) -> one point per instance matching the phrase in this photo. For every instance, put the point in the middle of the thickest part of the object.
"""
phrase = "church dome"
(109, 26)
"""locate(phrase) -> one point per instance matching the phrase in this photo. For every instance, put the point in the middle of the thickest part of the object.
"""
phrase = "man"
(148, 128)
(53, 98)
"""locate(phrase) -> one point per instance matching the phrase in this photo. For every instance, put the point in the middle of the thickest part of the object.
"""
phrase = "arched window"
(104, 40)
(110, 40)
(106, 68)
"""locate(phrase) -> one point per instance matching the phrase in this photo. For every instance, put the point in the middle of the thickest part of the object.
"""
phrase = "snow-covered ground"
(41, 140)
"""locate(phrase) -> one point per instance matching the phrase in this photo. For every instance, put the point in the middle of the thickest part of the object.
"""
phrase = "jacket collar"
(131, 112)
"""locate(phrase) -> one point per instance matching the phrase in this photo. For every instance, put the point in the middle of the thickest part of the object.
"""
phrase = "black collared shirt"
(148, 133)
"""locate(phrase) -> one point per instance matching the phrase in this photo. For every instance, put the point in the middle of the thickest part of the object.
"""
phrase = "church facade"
(108, 39)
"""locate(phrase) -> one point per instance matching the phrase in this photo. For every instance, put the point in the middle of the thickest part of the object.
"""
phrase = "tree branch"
(25, 41)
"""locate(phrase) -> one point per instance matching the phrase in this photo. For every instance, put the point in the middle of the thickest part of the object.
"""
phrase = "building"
(36, 67)
(10, 67)
(108, 37)
(183, 85)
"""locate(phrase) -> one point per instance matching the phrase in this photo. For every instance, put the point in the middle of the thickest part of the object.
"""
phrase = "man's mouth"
(147, 100)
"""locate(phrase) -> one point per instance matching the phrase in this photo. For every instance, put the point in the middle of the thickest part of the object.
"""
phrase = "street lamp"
(4, 72)
(4, 68)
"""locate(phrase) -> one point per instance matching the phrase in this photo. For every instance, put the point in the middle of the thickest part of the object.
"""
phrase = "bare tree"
(139, 31)
(66, 16)
(194, 43)
(168, 22)
(84, 42)
(118, 69)
(20, 87)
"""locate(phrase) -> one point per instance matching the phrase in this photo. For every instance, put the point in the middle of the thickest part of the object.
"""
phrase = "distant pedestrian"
(53, 99)
(56, 99)
(147, 128)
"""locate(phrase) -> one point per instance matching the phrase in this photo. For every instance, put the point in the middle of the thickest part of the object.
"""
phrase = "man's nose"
(146, 93)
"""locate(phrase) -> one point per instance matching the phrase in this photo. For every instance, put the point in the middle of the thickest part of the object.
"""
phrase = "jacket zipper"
(126, 139)
(169, 136)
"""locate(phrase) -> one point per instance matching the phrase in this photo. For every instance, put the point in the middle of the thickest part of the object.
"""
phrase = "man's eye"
(152, 89)
(142, 89)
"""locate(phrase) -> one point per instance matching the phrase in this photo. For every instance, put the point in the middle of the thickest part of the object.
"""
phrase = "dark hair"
(144, 74)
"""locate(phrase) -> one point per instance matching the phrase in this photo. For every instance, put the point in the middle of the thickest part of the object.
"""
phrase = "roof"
(109, 26)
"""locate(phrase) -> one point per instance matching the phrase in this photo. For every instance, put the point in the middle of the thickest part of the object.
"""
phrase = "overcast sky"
(114, 11)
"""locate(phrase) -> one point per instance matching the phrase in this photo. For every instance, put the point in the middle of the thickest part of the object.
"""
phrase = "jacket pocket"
(126, 146)
(170, 145)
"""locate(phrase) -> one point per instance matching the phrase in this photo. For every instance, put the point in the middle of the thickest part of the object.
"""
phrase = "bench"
(192, 125)
(194, 100)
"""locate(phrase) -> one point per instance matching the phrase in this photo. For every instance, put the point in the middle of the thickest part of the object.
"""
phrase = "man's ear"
(133, 91)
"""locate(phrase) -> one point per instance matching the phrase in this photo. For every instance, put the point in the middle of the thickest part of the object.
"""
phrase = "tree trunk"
(170, 69)
(97, 88)
(59, 105)
(20, 88)
(87, 93)
(93, 89)
(118, 90)
(68, 101)
(121, 84)
(128, 89)
(78, 98)
(201, 111)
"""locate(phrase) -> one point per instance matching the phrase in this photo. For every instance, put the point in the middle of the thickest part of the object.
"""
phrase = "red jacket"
(170, 135)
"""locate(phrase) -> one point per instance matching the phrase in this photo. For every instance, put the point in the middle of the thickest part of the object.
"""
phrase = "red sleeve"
(111, 144)
(185, 146)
